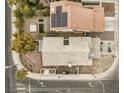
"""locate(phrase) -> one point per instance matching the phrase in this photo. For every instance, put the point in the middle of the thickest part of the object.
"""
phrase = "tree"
(21, 74)
(12, 2)
(17, 12)
(23, 43)
(32, 2)
(26, 8)
(15, 34)
(28, 11)
(40, 6)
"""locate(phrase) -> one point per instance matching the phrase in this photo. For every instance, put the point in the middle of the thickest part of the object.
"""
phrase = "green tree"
(40, 6)
(28, 11)
(32, 1)
(26, 8)
(23, 43)
(15, 34)
(21, 74)
(12, 2)
(17, 12)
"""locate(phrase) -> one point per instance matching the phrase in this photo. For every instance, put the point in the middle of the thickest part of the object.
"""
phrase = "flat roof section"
(75, 51)
(55, 53)
(107, 35)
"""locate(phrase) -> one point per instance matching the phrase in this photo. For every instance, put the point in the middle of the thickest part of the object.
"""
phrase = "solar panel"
(59, 20)
(53, 20)
(64, 19)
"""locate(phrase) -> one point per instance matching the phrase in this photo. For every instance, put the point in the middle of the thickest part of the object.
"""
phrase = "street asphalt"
(34, 86)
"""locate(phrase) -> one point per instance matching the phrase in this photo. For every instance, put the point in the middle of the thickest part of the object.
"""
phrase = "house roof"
(90, 19)
(55, 53)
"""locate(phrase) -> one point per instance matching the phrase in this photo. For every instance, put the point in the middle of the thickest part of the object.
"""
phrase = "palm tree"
(21, 74)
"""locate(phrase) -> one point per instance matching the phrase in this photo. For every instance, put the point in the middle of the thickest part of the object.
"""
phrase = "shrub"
(17, 12)
(23, 43)
(21, 74)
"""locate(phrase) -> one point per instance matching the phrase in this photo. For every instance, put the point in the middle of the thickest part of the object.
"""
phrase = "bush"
(21, 74)
(19, 24)
(17, 12)
(23, 43)
(12, 2)
(28, 11)
(40, 6)
(16, 23)
(40, 35)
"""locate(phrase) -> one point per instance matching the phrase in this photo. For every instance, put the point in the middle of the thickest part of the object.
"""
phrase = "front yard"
(98, 66)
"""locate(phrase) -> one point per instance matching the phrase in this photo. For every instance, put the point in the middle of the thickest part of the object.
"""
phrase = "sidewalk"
(37, 76)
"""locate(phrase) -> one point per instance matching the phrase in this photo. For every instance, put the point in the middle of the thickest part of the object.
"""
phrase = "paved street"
(111, 86)
(7, 46)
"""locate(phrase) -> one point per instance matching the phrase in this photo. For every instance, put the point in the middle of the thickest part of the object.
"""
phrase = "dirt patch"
(99, 65)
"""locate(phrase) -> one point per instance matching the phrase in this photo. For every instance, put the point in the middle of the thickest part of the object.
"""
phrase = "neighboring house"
(60, 51)
(73, 16)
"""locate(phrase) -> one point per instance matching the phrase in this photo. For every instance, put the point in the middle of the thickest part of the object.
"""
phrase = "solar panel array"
(59, 20)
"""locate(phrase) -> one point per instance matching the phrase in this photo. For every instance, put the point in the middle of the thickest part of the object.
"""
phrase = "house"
(73, 16)
(60, 51)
